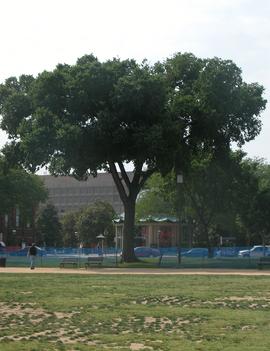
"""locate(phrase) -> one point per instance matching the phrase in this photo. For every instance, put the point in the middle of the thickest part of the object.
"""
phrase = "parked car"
(226, 252)
(24, 251)
(143, 251)
(196, 252)
(256, 251)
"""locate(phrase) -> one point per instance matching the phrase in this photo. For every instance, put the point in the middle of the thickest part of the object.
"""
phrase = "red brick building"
(15, 229)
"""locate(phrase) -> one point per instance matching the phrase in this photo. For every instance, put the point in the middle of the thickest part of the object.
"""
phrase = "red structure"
(15, 230)
(154, 232)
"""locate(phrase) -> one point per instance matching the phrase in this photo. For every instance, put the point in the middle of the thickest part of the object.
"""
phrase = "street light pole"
(179, 180)
(78, 251)
(14, 231)
(101, 237)
(116, 246)
(158, 237)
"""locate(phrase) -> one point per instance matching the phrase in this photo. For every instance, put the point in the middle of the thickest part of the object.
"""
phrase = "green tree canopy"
(95, 220)
(261, 215)
(19, 189)
(69, 229)
(225, 197)
(215, 189)
(98, 115)
(154, 199)
(254, 203)
(49, 226)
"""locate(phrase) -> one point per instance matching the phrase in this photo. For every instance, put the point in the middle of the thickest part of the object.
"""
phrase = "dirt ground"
(157, 271)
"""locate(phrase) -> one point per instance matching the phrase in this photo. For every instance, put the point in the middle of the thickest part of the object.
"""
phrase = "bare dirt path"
(143, 271)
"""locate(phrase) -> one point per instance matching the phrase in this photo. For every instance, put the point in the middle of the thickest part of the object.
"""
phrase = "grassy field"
(73, 312)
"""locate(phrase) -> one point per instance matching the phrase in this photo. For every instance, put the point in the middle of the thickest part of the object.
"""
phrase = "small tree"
(69, 229)
(19, 189)
(261, 216)
(153, 200)
(49, 227)
(217, 192)
(95, 220)
(254, 203)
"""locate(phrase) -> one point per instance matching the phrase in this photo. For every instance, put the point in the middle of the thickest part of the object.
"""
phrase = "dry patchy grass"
(74, 313)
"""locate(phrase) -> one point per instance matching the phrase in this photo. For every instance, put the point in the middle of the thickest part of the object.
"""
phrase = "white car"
(256, 251)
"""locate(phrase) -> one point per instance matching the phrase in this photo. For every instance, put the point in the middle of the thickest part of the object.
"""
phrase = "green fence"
(228, 258)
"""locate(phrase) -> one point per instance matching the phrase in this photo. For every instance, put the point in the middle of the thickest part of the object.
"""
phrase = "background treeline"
(226, 196)
(76, 228)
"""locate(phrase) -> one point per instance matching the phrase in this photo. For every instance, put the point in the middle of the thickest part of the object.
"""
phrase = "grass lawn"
(111, 312)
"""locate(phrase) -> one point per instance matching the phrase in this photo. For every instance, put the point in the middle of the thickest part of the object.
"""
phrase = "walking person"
(32, 253)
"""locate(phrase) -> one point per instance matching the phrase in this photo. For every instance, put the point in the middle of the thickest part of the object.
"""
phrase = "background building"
(68, 194)
(159, 232)
(16, 229)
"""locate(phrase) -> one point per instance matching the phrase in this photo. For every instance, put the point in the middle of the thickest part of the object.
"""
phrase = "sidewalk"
(141, 271)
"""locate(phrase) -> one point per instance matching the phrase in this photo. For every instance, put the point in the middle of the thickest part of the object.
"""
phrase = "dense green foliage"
(49, 226)
(167, 313)
(154, 199)
(96, 220)
(98, 115)
(69, 231)
(83, 227)
(19, 190)
(219, 197)
(255, 204)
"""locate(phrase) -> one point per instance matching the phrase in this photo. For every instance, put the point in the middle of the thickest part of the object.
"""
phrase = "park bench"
(69, 261)
(93, 260)
(264, 261)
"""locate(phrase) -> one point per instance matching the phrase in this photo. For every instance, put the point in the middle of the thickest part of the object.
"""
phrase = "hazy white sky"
(38, 34)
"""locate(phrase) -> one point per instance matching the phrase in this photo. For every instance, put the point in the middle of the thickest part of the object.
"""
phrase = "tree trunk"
(129, 230)
(206, 239)
(128, 190)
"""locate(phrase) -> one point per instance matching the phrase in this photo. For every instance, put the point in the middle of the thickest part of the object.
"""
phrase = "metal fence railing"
(172, 257)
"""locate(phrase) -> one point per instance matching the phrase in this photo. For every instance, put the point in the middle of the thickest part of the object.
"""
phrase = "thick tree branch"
(137, 177)
(144, 176)
(124, 174)
(121, 189)
(197, 207)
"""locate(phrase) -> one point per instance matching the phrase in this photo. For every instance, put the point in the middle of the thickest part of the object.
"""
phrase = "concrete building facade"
(68, 194)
